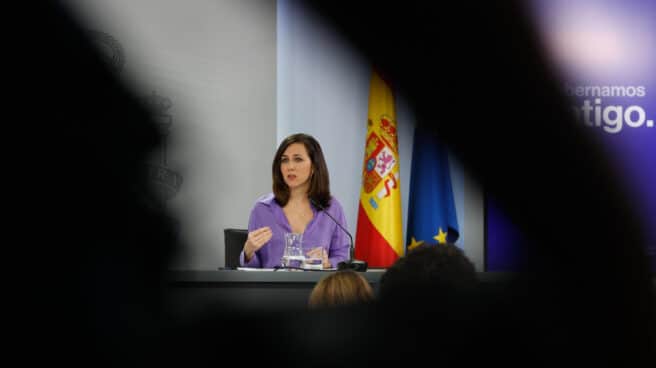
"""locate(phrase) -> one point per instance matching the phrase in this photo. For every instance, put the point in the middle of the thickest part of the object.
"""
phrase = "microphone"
(351, 264)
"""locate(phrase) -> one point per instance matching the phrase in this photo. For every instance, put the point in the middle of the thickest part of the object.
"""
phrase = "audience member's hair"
(341, 288)
(429, 267)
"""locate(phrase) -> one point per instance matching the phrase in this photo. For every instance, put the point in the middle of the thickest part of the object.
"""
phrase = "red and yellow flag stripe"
(379, 236)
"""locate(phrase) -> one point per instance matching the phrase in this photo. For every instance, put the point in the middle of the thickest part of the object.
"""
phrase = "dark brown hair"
(341, 288)
(428, 268)
(319, 180)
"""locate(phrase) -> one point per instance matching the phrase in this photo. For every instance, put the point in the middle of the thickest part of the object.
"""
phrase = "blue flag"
(431, 211)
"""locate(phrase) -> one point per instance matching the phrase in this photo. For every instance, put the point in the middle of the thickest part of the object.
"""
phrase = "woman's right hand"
(256, 240)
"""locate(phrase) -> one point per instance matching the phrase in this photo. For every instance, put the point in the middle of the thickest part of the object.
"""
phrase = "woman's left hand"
(324, 256)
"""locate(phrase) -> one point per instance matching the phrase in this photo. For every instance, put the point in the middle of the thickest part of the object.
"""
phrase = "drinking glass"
(314, 262)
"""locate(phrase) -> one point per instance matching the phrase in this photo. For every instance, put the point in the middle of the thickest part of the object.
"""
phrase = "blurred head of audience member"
(428, 268)
(341, 288)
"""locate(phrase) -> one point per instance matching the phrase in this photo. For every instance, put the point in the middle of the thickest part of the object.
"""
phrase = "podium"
(189, 293)
(194, 291)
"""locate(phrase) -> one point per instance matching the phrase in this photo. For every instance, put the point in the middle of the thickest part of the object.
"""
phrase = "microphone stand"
(351, 264)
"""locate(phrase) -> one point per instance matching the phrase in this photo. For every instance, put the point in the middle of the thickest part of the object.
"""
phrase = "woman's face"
(295, 166)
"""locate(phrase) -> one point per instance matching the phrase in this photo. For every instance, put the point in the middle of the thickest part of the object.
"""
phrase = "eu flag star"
(440, 237)
(414, 243)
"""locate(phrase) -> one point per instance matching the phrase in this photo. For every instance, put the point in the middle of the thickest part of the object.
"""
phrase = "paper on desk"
(253, 269)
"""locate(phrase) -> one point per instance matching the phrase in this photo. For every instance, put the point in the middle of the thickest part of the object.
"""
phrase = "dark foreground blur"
(100, 241)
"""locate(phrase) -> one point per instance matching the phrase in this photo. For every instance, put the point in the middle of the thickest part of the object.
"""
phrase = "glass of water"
(292, 255)
(313, 259)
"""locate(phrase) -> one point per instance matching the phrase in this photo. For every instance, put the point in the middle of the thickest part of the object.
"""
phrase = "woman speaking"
(301, 194)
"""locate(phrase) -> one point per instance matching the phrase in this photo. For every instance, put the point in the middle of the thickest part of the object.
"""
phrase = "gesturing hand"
(256, 240)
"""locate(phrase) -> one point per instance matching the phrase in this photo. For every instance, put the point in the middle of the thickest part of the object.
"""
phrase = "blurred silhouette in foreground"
(97, 236)
(428, 269)
(473, 73)
(477, 76)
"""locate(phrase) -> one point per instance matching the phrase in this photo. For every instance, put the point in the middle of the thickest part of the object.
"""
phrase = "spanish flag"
(379, 236)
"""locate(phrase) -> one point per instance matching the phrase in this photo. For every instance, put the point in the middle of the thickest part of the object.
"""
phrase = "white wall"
(216, 62)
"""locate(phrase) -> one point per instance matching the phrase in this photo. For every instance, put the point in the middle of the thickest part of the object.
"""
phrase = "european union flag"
(431, 211)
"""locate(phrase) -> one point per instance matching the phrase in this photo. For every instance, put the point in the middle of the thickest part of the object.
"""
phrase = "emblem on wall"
(166, 181)
(110, 49)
